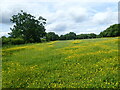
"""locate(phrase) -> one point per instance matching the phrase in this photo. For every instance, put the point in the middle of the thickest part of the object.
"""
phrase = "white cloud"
(107, 17)
(64, 16)
(78, 14)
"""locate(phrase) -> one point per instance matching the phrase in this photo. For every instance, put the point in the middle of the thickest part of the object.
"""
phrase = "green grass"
(89, 63)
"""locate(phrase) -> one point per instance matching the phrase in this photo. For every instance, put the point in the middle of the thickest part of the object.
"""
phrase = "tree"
(5, 40)
(62, 37)
(70, 36)
(82, 36)
(86, 36)
(92, 35)
(51, 36)
(111, 31)
(28, 27)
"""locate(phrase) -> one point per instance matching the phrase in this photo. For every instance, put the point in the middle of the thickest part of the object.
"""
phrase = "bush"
(43, 40)
(6, 41)
(16, 41)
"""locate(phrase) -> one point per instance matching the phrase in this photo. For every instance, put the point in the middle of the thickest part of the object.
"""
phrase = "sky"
(63, 16)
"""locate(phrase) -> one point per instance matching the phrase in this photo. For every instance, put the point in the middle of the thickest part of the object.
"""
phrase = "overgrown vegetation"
(66, 63)
(88, 63)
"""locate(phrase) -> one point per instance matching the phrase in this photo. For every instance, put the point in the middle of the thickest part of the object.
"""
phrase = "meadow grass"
(88, 63)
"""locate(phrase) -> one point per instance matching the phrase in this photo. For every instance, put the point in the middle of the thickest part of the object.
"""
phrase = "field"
(88, 63)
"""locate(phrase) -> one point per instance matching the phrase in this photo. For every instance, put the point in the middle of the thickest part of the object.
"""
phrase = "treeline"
(112, 31)
(72, 35)
(28, 29)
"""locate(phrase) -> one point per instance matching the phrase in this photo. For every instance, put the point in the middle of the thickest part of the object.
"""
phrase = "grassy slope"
(71, 64)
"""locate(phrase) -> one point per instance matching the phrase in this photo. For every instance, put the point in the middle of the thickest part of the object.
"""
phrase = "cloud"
(60, 27)
(107, 17)
(65, 19)
(8, 10)
(6, 15)
(78, 16)
(57, 27)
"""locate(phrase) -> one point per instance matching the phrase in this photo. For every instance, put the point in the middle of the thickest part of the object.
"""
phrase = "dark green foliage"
(82, 36)
(92, 35)
(68, 36)
(5, 40)
(112, 31)
(27, 27)
(14, 41)
(72, 35)
(51, 36)
(86, 36)
(62, 37)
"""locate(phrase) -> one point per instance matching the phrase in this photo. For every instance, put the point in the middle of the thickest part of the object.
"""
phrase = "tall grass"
(90, 63)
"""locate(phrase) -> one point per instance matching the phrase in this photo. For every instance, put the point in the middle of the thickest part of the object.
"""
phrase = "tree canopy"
(27, 27)
(68, 36)
(51, 36)
(112, 31)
